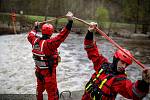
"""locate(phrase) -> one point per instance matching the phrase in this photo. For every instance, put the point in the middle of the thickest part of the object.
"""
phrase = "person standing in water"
(109, 79)
(46, 57)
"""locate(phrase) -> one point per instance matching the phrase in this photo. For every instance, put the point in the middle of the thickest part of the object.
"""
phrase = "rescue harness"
(98, 87)
(41, 60)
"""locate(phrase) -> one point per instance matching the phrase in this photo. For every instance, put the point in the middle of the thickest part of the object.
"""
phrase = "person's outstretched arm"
(92, 50)
(56, 41)
(136, 90)
(32, 35)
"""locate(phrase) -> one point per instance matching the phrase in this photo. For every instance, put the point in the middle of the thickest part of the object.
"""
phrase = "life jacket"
(99, 85)
(41, 60)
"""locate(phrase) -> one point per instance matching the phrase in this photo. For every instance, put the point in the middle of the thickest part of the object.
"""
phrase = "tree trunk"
(137, 16)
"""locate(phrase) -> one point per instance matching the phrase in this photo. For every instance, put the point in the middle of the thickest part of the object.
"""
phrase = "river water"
(17, 66)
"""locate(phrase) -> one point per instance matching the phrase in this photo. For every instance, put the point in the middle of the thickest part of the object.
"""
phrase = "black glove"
(36, 26)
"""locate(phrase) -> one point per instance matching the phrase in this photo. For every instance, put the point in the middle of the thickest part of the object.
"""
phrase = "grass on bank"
(30, 19)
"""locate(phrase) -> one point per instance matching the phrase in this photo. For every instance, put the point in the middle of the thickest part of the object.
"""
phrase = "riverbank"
(24, 23)
(8, 26)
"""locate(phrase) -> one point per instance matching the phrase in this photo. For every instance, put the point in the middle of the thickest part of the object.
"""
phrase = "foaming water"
(73, 72)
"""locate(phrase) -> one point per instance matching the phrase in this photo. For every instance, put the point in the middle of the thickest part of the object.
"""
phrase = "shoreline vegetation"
(24, 23)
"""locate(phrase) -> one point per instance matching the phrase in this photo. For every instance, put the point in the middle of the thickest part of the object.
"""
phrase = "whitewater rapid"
(73, 72)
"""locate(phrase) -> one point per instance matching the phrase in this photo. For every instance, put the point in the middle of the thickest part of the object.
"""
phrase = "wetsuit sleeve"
(135, 91)
(92, 51)
(32, 36)
(55, 42)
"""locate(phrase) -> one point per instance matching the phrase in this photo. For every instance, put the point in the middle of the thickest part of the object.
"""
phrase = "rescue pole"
(113, 42)
(52, 19)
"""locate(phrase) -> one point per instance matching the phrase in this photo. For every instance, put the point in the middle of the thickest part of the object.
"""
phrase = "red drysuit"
(46, 58)
(105, 84)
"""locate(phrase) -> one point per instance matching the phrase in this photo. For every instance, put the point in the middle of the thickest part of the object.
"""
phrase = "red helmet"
(122, 56)
(47, 29)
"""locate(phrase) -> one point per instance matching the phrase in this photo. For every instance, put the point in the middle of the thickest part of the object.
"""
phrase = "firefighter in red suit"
(46, 57)
(110, 79)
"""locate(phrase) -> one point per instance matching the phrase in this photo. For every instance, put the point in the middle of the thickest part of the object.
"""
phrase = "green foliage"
(102, 15)
(134, 8)
(5, 17)
(30, 19)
